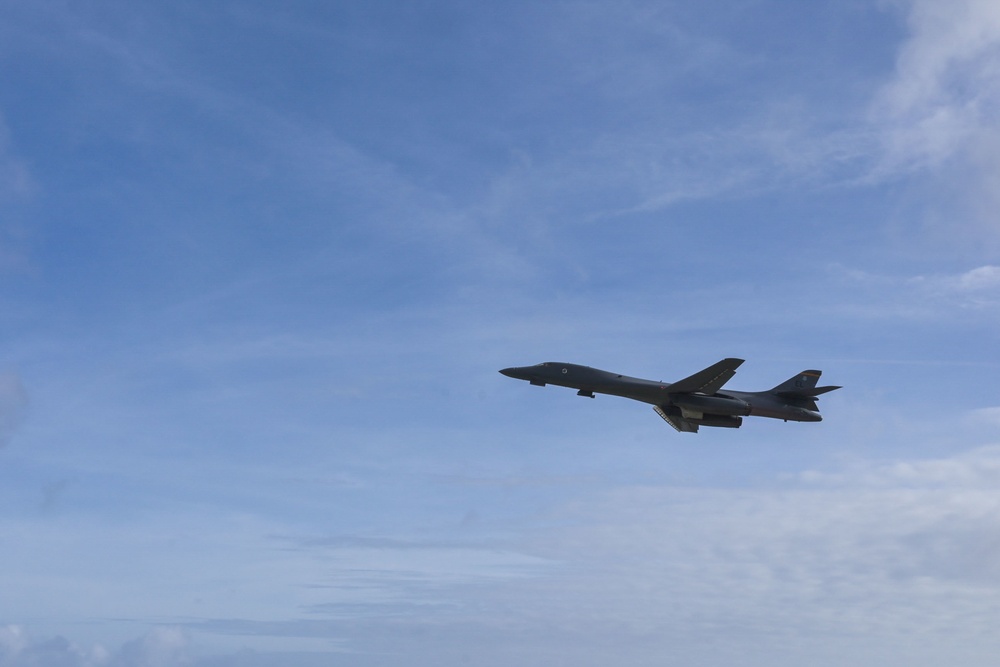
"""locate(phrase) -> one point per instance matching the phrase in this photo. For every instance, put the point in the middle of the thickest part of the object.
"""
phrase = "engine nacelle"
(723, 421)
(692, 404)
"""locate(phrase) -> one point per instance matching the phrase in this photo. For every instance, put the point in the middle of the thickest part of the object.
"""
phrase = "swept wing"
(707, 381)
(679, 423)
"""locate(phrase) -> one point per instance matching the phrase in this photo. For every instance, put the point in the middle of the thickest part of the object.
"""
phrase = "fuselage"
(589, 381)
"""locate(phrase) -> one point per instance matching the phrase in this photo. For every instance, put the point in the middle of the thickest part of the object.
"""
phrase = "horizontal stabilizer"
(709, 380)
(802, 385)
(814, 392)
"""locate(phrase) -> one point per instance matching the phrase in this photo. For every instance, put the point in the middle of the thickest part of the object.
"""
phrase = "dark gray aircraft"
(692, 402)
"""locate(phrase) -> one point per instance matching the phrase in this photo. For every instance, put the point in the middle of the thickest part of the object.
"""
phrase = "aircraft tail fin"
(802, 385)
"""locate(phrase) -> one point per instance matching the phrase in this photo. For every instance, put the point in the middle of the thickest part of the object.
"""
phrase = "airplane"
(692, 402)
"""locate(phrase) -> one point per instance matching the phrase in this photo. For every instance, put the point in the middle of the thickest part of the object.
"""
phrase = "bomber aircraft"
(697, 400)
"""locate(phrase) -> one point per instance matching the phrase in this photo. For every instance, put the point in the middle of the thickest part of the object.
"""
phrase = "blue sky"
(261, 262)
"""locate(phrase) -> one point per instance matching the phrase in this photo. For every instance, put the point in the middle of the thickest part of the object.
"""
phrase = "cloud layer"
(278, 253)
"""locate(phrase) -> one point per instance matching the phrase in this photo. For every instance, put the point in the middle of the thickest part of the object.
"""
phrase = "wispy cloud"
(972, 471)
(13, 405)
(988, 415)
(16, 181)
(943, 99)
(162, 646)
(973, 294)
(810, 564)
(893, 547)
(940, 115)
(17, 186)
(934, 118)
(977, 288)
(905, 549)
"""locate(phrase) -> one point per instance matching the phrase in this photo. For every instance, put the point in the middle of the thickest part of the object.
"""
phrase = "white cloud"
(15, 179)
(940, 113)
(904, 550)
(982, 278)
(18, 649)
(988, 415)
(161, 647)
(978, 469)
(945, 93)
(13, 404)
(974, 293)
(16, 185)
(12, 640)
(977, 288)
(880, 558)
(972, 286)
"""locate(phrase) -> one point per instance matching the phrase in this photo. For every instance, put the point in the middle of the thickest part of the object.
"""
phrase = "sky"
(261, 261)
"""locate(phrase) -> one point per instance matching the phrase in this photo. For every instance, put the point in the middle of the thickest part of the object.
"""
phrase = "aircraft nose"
(509, 372)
